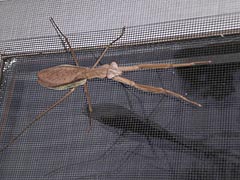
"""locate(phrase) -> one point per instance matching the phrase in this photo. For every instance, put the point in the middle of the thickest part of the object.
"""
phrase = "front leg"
(153, 89)
(162, 66)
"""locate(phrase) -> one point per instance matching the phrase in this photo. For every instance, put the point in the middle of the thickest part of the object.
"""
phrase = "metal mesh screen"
(135, 134)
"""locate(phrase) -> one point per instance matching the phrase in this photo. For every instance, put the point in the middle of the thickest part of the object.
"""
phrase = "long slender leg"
(38, 118)
(161, 66)
(86, 92)
(109, 45)
(67, 41)
(96, 63)
(72, 51)
(152, 89)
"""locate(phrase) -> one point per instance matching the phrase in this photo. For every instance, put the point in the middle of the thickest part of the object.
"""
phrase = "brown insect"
(64, 77)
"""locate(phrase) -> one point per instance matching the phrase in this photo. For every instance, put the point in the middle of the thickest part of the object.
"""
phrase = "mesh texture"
(135, 134)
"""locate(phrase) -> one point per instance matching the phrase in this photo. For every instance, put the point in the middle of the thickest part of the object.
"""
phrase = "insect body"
(67, 76)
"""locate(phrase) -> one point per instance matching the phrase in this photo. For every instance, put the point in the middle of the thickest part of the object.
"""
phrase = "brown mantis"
(65, 77)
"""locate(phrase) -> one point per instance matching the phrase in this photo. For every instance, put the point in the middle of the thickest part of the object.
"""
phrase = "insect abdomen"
(62, 77)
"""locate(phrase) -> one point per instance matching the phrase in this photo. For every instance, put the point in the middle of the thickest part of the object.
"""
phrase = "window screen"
(134, 134)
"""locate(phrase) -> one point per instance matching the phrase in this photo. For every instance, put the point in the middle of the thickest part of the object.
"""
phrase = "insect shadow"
(124, 121)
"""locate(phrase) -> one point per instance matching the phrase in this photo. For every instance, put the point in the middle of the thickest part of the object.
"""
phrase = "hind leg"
(152, 89)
